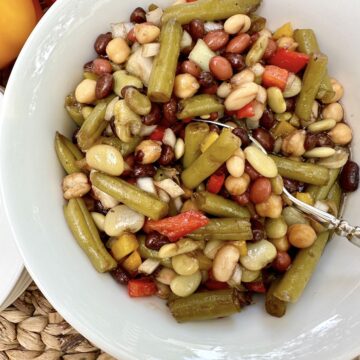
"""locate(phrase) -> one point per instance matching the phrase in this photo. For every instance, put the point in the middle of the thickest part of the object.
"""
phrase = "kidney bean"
(258, 230)
(290, 104)
(144, 170)
(214, 128)
(238, 44)
(139, 156)
(243, 135)
(120, 275)
(131, 36)
(253, 38)
(214, 116)
(100, 208)
(264, 138)
(153, 117)
(101, 66)
(349, 177)
(88, 66)
(210, 90)
(260, 190)
(323, 139)
(177, 127)
(282, 261)
(236, 60)
(167, 155)
(310, 141)
(130, 161)
(169, 111)
(221, 68)
(155, 241)
(189, 67)
(101, 43)
(104, 86)
(196, 29)
(224, 193)
(291, 185)
(186, 27)
(270, 50)
(138, 15)
(267, 121)
(217, 39)
(206, 79)
(251, 171)
(242, 199)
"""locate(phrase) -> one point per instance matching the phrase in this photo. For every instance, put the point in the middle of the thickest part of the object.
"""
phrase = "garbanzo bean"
(301, 235)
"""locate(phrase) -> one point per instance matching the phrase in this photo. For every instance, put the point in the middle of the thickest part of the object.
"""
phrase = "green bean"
(234, 236)
(205, 305)
(258, 23)
(210, 160)
(67, 153)
(335, 194)
(137, 102)
(162, 75)
(147, 253)
(86, 234)
(314, 73)
(106, 100)
(308, 44)
(125, 148)
(199, 105)
(321, 192)
(218, 206)
(208, 10)
(224, 226)
(273, 305)
(122, 79)
(132, 196)
(92, 127)
(257, 51)
(195, 133)
(301, 171)
(75, 113)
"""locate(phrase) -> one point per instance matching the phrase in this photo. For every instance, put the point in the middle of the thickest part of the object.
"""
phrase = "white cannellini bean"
(224, 263)
(261, 162)
(243, 77)
(262, 95)
(169, 138)
(165, 276)
(241, 96)
(185, 285)
(121, 218)
(171, 187)
(182, 246)
(146, 184)
(259, 255)
(184, 264)
(249, 275)
(105, 158)
(99, 220)
(179, 148)
(148, 266)
(212, 247)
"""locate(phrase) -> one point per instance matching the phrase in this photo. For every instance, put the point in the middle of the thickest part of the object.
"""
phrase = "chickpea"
(287, 42)
(146, 33)
(118, 50)
(237, 186)
(293, 144)
(185, 86)
(301, 235)
(85, 91)
(333, 111)
(341, 134)
(148, 151)
(339, 91)
(271, 208)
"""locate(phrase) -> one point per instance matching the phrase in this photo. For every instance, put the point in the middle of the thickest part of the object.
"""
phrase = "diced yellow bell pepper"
(208, 141)
(282, 129)
(285, 30)
(305, 197)
(132, 262)
(242, 247)
(124, 245)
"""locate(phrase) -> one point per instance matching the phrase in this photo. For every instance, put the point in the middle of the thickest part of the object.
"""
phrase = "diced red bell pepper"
(246, 112)
(290, 60)
(275, 76)
(177, 226)
(141, 287)
(211, 284)
(215, 183)
(256, 286)
(187, 120)
(157, 134)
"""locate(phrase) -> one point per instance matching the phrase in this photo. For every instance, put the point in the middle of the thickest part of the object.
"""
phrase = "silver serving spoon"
(340, 226)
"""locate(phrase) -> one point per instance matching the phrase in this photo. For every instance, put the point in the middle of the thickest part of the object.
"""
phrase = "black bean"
(167, 155)
(102, 42)
(243, 135)
(206, 79)
(138, 15)
(155, 241)
(144, 170)
(264, 138)
(197, 29)
(120, 275)
(236, 60)
(267, 120)
(349, 177)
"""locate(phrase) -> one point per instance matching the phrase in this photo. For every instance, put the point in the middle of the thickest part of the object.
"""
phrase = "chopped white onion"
(321, 205)
(154, 16)
(236, 277)
(149, 266)
(171, 187)
(212, 26)
(186, 40)
(150, 50)
(163, 195)
(110, 108)
(121, 29)
(146, 130)
(169, 138)
(146, 184)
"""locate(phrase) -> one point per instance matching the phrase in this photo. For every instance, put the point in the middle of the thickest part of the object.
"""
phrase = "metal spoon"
(340, 226)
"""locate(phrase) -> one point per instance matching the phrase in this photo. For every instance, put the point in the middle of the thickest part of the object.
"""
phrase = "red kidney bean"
(349, 177)
(253, 38)
(169, 111)
(104, 86)
(270, 50)
(101, 66)
(177, 127)
(130, 161)
(196, 29)
(153, 117)
(323, 139)
(101, 43)
(189, 67)
(236, 60)
(155, 241)
(260, 190)
(214, 116)
(243, 135)
(221, 68)
(214, 128)
(131, 36)
(217, 39)
(139, 156)
(282, 261)
(210, 90)
(258, 230)
(138, 15)
(251, 171)
(290, 104)
(88, 66)
(238, 44)
(144, 170)
(291, 185)
(167, 155)
(310, 141)
(264, 138)
(120, 275)
(206, 79)
(267, 120)
(243, 199)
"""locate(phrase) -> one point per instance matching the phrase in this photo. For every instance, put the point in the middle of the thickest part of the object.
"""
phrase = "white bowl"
(324, 324)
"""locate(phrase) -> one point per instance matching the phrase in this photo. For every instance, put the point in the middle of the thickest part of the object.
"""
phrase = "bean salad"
(191, 211)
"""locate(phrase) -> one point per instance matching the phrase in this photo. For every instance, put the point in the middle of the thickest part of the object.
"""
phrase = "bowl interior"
(323, 324)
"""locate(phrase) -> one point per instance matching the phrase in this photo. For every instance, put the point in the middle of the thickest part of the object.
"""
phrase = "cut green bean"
(162, 75)
(67, 153)
(258, 23)
(92, 127)
(147, 253)
(224, 226)
(205, 305)
(314, 73)
(132, 196)
(273, 305)
(235, 236)
(301, 171)
(208, 10)
(199, 105)
(86, 234)
(209, 161)
(216, 205)
(195, 133)
(125, 148)
(335, 194)
(321, 192)
(76, 114)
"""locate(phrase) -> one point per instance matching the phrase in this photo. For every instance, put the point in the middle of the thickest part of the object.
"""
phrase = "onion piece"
(186, 40)
(154, 16)
(169, 138)
(321, 205)
(150, 50)
(163, 195)
(121, 29)
(212, 26)
(147, 130)
(171, 187)
(149, 266)
(146, 184)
